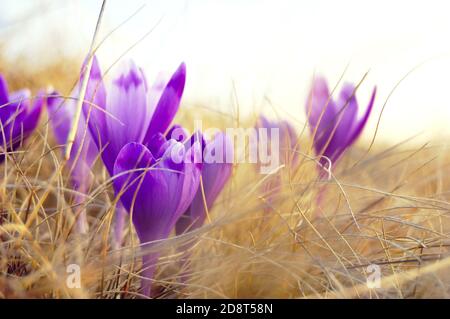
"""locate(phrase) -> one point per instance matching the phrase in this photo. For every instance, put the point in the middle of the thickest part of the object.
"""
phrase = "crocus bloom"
(216, 170)
(84, 150)
(156, 197)
(334, 124)
(18, 117)
(287, 137)
(286, 145)
(131, 112)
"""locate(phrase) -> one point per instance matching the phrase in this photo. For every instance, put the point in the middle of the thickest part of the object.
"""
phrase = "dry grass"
(268, 236)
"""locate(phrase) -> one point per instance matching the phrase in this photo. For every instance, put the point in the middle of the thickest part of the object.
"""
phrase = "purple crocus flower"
(156, 190)
(287, 137)
(130, 112)
(216, 171)
(18, 117)
(334, 124)
(84, 151)
(287, 144)
(133, 112)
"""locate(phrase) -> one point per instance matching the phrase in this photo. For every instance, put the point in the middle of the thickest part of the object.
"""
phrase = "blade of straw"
(87, 72)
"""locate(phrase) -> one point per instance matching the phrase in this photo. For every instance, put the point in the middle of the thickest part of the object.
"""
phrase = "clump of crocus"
(18, 117)
(130, 111)
(217, 166)
(156, 188)
(334, 124)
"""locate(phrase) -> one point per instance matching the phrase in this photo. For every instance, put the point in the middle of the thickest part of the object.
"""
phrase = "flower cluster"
(334, 124)
(155, 170)
(164, 178)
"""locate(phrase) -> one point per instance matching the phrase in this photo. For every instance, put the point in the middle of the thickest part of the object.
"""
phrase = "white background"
(266, 48)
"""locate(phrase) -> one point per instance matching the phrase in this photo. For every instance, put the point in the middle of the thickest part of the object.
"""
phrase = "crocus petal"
(173, 157)
(164, 147)
(3, 97)
(141, 190)
(18, 107)
(318, 99)
(214, 177)
(289, 140)
(322, 114)
(168, 104)
(287, 134)
(358, 127)
(157, 144)
(94, 107)
(127, 105)
(60, 115)
(156, 90)
(155, 197)
(191, 180)
(32, 118)
(347, 109)
(287, 137)
(196, 137)
(264, 122)
(178, 133)
(84, 150)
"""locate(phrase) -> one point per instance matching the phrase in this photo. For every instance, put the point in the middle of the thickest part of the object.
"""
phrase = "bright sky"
(266, 48)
